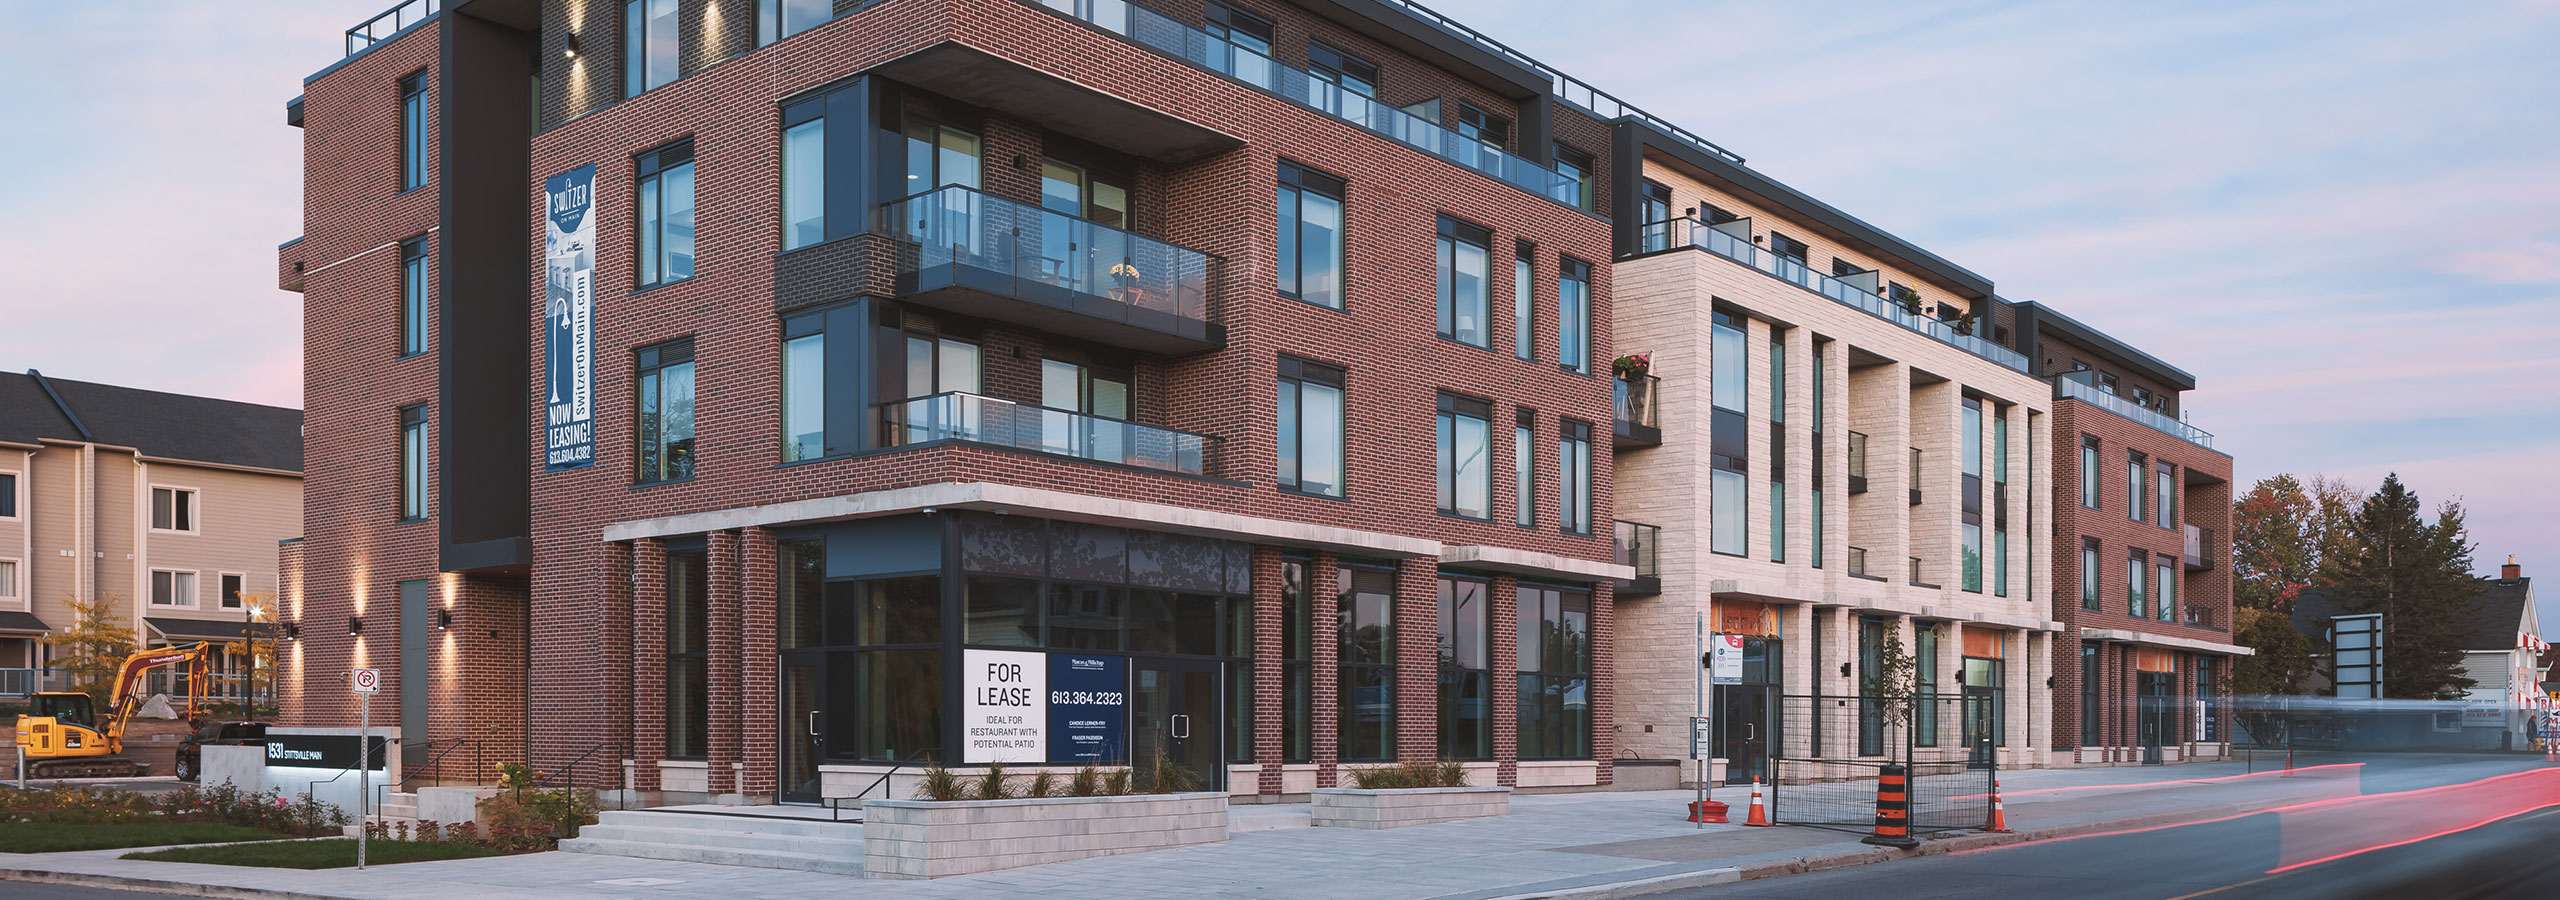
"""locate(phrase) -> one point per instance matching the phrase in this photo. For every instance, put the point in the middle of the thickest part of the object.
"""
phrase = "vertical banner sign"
(1725, 650)
(1004, 714)
(1088, 708)
(568, 308)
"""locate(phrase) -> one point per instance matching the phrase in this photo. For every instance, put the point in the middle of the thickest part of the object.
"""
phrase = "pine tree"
(2417, 575)
(94, 648)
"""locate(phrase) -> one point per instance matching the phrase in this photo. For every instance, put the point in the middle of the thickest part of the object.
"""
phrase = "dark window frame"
(414, 128)
(1346, 70)
(1568, 666)
(688, 654)
(413, 463)
(651, 169)
(1295, 375)
(1574, 273)
(1349, 580)
(1474, 122)
(1579, 167)
(1573, 436)
(1225, 22)
(415, 295)
(1451, 408)
(774, 22)
(1454, 231)
(1455, 677)
(649, 364)
(1296, 181)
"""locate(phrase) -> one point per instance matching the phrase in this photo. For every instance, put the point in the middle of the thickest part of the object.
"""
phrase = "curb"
(156, 886)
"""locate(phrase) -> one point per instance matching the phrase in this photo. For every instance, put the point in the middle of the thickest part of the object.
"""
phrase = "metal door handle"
(1181, 726)
(813, 726)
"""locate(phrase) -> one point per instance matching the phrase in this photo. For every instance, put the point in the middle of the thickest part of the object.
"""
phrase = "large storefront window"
(1466, 692)
(1365, 627)
(1554, 700)
(2089, 736)
(688, 653)
(1297, 655)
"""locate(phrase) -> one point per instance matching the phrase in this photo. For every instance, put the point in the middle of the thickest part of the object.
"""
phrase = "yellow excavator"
(62, 736)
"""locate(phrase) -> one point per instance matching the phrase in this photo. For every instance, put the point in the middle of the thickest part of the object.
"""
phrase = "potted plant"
(1633, 366)
(1908, 298)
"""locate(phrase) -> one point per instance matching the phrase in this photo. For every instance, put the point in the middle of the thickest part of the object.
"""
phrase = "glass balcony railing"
(1109, 273)
(1693, 233)
(1003, 423)
(2081, 386)
(1639, 546)
(1639, 411)
(2199, 548)
(389, 23)
(1174, 37)
(1857, 463)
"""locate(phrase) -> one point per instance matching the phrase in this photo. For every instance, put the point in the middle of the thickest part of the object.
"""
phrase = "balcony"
(2199, 548)
(1002, 423)
(2082, 386)
(1915, 476)
(1639, 546)
(1858, 564)
(390, 23)
(1732, 240)
(1639, 418)
(1175, 38)
(981, 255)
(1857, 463)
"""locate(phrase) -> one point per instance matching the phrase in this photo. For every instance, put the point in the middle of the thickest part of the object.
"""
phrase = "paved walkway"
(1549, 843)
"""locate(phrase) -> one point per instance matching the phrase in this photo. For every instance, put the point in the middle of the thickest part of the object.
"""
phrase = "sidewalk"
(1591, 844)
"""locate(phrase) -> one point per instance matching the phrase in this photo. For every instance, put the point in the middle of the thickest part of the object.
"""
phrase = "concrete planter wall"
(1400, 807)
(930, 839)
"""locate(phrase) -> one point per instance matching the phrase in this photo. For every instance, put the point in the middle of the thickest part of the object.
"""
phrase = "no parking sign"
(365, 681)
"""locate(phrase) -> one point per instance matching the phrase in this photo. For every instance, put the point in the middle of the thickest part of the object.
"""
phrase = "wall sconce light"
(1844, 670)
(292, 631)
(444, 619)
(569, 44)
(355, 626)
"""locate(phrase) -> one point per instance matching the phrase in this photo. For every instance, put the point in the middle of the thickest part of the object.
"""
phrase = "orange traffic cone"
(1759, 811)
(1999, 814)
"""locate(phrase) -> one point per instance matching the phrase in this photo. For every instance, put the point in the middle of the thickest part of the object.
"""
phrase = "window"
(1523, 308)
(1311, 427)
(1729, 387)
(665, 217)
(1466, 472)
(1573, 314)
(1356, 75)
(688, 653)
(171, 588)
(2000, 563)
(2089, 736)
(1465, 265)
(173, 509)
(1554, 626)
(1367, 690)
(413, 463)
(1924, 671)
(2089, 471)
(1840, 267)
(1240, 28)
(2164, 507)
(2089, 574)
(8, 495)
(1871, 713)
(1573, 476)
(778, 19)
(233, 585)
(649, 45)
(2133, 485)
(1311, 236)
(1654, 207)
(939, 155)
(1485, 128)
(1716, 215)
(413, 296)
(1970, 426)
(939, 364)
(1466, 693)
(1777, 448)
(1524, 463)
(804, 177)
(413, 131)
(2141, 396)
(1820, 452)
(666, 412)
(2136, 603)
(1788, 247)
(804, 388)
(1297, 661)
(1575, 166)
(2106, 382)
(2165, 580)
(8, 579)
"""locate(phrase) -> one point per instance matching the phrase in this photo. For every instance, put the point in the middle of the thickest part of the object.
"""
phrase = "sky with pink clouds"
(2336, 214)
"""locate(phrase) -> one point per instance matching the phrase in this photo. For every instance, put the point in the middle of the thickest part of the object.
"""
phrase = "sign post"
(1705, 760)
(364, 682)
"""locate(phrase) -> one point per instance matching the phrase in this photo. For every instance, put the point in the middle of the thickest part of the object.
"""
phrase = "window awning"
(22, 622)
(199, 629)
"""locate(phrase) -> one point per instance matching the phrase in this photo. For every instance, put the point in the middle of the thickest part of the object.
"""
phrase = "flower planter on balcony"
(1402, 807)
(910, 839)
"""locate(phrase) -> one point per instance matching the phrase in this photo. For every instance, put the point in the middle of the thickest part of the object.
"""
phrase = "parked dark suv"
(191, 751)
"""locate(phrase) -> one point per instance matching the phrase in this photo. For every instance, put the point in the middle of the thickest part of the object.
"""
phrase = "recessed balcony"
(977, 254)
(2199, 548)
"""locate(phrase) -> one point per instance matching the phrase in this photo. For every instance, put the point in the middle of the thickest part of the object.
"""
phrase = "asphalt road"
(22, 891)
(2228, 860)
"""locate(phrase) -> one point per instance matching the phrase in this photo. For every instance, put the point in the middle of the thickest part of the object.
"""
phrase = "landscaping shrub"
(269, 810)
(1411, 774)
(526, 819)
(321, 854)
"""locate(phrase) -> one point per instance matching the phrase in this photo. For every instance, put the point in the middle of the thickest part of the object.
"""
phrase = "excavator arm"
(197, 657)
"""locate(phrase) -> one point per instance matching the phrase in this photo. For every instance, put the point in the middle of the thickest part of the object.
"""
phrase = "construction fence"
(1830, 749)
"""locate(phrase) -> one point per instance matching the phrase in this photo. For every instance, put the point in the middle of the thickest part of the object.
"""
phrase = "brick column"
(1324, 597)
(721, 668)
(1502, 630)
(648, 660)
(615, 652)
(2066, 691)
(1604, 682)
(1417, 647)
(759, 668)
(1270, 705)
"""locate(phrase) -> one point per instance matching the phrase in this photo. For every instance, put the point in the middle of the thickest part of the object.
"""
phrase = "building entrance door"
(803, 725)
(2153, 690)
(1746, 716)
(1174, 711)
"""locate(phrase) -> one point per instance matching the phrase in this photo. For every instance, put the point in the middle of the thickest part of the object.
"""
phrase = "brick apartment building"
(168, 507)
(915, 343)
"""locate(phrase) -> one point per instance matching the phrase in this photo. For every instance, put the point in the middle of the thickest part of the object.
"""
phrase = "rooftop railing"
(1143, 278)
(1003, 423)
(1739, 248)
(389, 23)
(2081, 386)
(1174, 37)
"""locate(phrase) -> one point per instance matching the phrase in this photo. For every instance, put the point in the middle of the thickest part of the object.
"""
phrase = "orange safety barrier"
(1893, 809)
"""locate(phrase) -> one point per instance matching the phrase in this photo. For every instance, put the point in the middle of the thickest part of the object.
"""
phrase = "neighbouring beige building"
(170, 505)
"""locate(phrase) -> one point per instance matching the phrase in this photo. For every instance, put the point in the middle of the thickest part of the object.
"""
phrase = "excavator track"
(85, 767)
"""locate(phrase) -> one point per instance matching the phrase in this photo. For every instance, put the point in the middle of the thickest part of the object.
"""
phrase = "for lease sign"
(1004, 706)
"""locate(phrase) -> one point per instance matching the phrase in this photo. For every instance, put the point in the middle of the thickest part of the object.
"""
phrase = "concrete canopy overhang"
(2144, 638)
(975, 76)
(1532, 563)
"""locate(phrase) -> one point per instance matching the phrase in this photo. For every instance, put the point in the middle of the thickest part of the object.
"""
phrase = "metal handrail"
(2082, 387)
(835, 805)
(437, 761)
(402, 16)
(976, 418)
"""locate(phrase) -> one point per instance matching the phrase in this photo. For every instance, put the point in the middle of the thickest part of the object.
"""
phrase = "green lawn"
(45, 837)
(331, 853)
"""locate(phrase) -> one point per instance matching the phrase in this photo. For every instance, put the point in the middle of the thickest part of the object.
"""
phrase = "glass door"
(1744, 714)
(803, 725)
(1982, 719)
(2154, 705)
(1174, 713)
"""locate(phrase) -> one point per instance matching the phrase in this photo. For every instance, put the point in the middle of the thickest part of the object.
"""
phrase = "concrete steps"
(806, 845)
